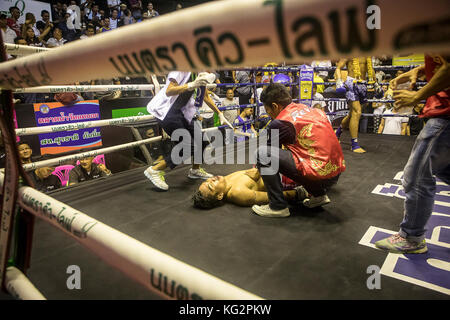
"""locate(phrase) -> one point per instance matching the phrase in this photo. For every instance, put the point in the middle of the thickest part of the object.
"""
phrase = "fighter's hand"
(405, 98)
(224, 121)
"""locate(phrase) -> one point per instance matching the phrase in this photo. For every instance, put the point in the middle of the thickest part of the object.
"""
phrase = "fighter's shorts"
(355, 91)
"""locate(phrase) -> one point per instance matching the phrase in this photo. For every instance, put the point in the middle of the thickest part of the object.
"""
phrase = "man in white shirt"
(57, 40)
(8, 34)
(113, 21)
(392, 124)
(175, 107)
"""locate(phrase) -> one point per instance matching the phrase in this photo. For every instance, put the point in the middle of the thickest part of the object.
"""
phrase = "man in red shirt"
(311, 154)
(430, 155)
(13, 22)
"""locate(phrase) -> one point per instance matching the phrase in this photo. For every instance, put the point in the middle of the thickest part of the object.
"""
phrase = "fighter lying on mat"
(243, 188)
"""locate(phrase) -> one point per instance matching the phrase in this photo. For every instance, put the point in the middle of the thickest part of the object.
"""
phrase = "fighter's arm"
(339, 66)
(253, 173)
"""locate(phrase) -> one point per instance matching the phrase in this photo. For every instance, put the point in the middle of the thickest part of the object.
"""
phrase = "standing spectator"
(245, 92)
(30, 21)
(230, 114)
(393, 125)
(114, 20)
(76, 17)
(379, 108)
(241, 126)
(122, 8)
(93, 15)
(127, 18)
(151, 13)
(71, 17)
(8, 34)
(113, 5)
(13, 22)
(58, 14)
(57, 40)
(136, 9)
(323, 74)
(42, 25)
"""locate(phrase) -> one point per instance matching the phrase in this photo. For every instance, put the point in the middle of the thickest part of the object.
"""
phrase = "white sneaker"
(316, 201)
(266, 211)
(199, 173)
(157, 178)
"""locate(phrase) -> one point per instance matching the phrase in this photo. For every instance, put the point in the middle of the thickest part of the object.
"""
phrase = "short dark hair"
(44, 11)
(276, 92)
(13, 7)
(22, 142)
(202, 202)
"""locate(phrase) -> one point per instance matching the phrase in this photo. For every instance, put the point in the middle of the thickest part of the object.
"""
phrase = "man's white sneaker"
(157, 178)
(316, 201)
(199, 173)
(266, 211)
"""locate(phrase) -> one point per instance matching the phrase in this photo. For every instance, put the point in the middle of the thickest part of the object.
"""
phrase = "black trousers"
(175, 120)
(267, 157)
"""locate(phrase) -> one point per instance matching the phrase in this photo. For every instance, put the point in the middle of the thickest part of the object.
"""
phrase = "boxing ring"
(43, 71)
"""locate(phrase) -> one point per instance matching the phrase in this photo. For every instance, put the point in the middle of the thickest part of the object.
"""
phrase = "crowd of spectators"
(73, 20)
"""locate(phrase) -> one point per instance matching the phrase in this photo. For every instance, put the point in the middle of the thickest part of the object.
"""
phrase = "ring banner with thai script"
(54, 113)
(205, 38)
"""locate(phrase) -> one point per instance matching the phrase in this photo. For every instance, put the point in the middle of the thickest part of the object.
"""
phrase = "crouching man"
(311, 154)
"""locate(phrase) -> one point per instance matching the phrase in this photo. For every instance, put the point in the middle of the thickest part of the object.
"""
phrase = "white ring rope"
(93, 153)
(62, 160)
(83, 125)
(134, 258)
(19, 286)
(22, 50)
(86, 88)
(205, 38)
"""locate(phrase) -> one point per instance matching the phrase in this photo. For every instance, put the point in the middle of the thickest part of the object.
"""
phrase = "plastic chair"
(62, 172)
(99, 159)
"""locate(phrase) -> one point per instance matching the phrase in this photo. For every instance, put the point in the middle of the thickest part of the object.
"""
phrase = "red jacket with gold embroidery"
(316, 151)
